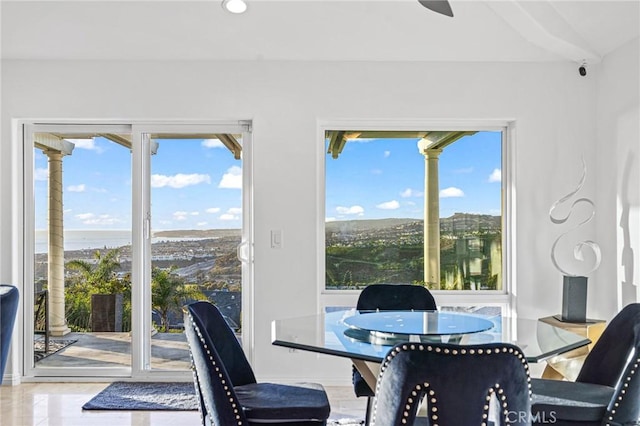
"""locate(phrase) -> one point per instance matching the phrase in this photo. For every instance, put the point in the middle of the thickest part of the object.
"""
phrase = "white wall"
(618, 146)
(553, 106)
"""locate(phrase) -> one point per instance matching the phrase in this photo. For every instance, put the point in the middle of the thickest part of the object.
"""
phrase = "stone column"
(431, 216)
(57, 318)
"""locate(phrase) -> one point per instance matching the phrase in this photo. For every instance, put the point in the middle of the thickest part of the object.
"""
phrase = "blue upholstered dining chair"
(457, 383)
(226, 385)
(607, 389)
(388, 297)
(8, 308)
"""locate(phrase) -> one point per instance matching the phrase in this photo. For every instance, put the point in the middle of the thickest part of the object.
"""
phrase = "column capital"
(53, 154)
(424, 149)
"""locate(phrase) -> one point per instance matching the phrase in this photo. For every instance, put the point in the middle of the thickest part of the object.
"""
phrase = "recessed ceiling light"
(234, 6)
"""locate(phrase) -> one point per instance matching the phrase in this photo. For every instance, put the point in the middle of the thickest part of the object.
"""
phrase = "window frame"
(505, 297)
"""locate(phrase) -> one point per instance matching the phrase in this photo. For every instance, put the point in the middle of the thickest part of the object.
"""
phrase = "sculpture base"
(574, 299)
(587, 321)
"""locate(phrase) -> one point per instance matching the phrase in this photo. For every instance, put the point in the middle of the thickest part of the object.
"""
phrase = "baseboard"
(10, 380)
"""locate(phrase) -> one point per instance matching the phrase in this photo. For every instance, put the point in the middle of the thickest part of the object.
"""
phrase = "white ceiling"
(376, 30)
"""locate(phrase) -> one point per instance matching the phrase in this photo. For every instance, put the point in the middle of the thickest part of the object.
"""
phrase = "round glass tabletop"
(419, 323)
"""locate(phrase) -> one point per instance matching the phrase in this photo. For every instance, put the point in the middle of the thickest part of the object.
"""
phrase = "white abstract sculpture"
(574, 288)
(582, 245)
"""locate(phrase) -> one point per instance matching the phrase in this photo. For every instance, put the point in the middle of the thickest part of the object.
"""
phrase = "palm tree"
(168, 291)
(97, 277)
(100, 276)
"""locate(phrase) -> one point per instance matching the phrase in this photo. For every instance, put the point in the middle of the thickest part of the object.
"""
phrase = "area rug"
(167, 396)
(179, 396)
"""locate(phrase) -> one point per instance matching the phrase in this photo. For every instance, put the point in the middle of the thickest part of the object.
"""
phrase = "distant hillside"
(369, 224)
(364, 252)
(458, 223)
(197, 233)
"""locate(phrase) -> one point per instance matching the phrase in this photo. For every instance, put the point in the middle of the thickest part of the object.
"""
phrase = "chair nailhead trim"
(632, 372)
(234, 403)
(426, 387)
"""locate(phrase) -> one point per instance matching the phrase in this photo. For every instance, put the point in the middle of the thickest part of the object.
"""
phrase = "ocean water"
(83, 239)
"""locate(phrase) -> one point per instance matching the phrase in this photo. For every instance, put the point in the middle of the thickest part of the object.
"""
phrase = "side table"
(567, 365)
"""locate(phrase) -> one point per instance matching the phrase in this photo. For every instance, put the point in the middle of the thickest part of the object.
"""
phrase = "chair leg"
(367, 416)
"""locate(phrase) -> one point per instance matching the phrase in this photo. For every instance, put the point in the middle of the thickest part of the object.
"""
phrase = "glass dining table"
(365, 337)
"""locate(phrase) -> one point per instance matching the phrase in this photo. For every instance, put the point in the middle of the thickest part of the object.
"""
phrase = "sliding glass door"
(193, 229)
(127, 223)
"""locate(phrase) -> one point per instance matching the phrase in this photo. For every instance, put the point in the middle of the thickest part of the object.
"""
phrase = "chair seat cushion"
(268, 402)
(569, 401)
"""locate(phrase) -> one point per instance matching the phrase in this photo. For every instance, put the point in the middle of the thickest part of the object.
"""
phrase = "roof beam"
(439, 140)
(47, 141)
(231, 143)
(431, 139)
(227, 139)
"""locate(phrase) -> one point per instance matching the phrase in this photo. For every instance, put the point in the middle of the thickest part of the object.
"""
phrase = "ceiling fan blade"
(441, 6)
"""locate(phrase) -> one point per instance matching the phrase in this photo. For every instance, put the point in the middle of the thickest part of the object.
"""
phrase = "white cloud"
(232, 214)
(411, 193)
(232, 179)
(77, 188)
(329, 219)
(88, 144)
(100, 220)
(353, 210)
(180, 215)
(389, 205)
(212, 143)
(201, 223)
(41, 174)
(495, 176)
(179, 180)
(213, 210)
(387, 154)
(84, 216)
(451, 192)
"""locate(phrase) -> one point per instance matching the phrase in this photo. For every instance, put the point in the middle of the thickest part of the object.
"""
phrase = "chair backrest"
(8, 308)
(457, 381)
(391, 297)
(610, 354)
(219, 364)
(614, 361)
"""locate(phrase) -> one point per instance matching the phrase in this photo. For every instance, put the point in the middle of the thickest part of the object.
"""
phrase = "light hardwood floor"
(60, 404)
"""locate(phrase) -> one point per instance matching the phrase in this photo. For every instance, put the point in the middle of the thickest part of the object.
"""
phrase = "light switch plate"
(276, 239)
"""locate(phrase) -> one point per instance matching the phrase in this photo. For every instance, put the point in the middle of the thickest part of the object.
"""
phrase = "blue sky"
(196, 184)
(383, 178)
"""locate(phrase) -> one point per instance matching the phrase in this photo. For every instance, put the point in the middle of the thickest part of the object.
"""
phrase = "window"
(422, 207)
